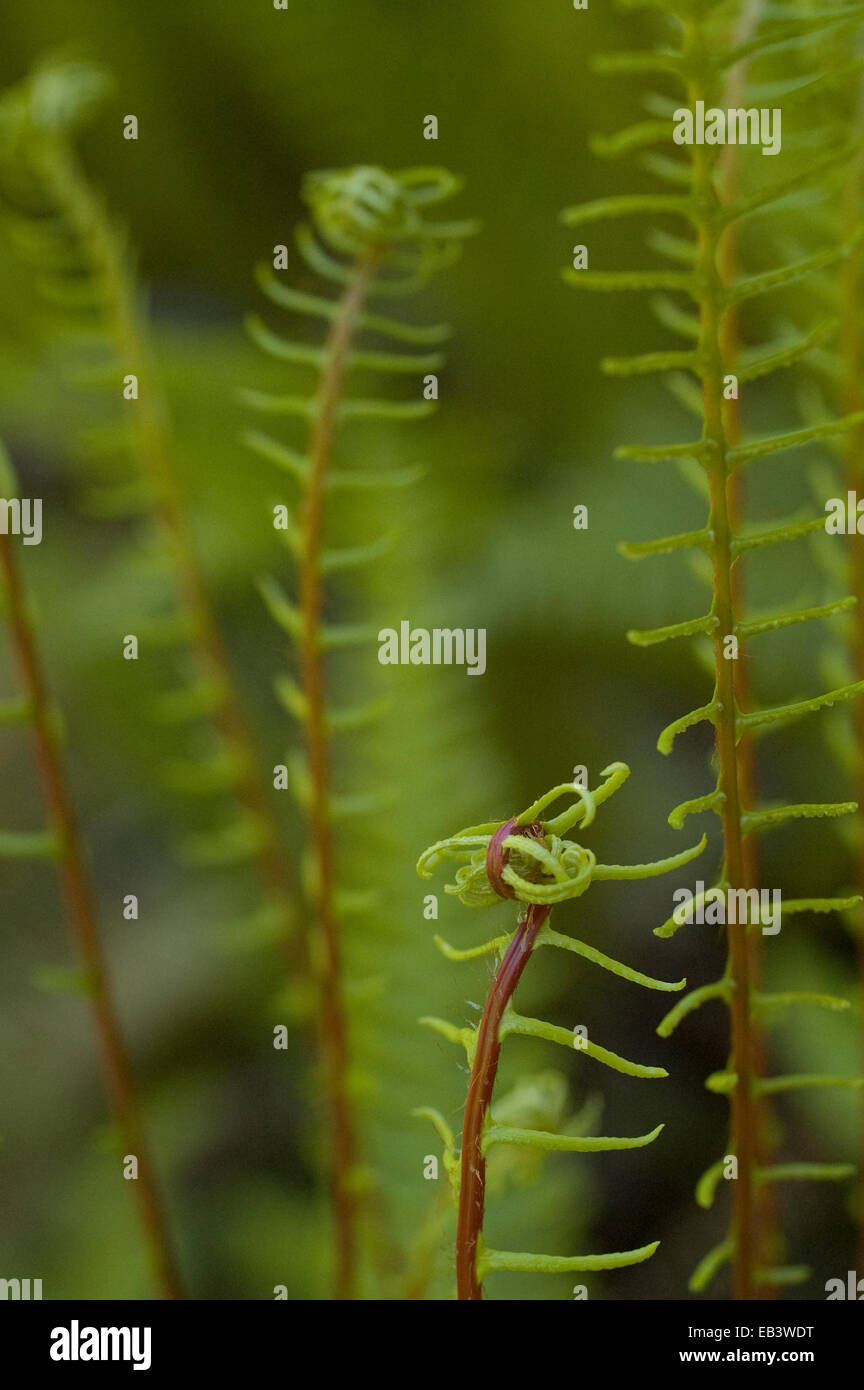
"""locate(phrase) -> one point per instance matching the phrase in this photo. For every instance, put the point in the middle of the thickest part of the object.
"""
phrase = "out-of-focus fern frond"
(369, 235)
(85, 271)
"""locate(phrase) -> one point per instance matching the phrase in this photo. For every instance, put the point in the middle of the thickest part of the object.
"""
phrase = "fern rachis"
(333, 1028)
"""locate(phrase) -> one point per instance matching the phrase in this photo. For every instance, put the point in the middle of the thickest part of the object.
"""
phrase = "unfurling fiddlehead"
(368, 234)
(62, 844)
(529, 859)
(86, 275)
(702, 51)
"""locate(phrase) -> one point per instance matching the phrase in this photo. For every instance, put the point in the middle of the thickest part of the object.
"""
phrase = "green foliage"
(540, 868)
(370, 236)
(231, 115)
(706, 42)
(63, 844)
(85, 274)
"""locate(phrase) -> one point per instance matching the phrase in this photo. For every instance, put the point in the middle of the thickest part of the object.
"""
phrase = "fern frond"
(368, 234)
(706, 56)
(92, 280)
(527, 859)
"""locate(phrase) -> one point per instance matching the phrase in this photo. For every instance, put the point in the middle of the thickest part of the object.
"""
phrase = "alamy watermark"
(20, 1290)
(21, 516)
(718, 906)
(845, 515)
(77, 1343)
(440, 646)
(849, 1288)
(740, 126)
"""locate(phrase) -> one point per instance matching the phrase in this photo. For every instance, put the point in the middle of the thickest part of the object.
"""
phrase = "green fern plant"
(530, 860)
(85, 274)
(62, 845)
(699, 55)
(369, 235)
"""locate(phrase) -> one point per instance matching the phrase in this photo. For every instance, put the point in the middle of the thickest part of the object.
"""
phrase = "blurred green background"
(236, 102)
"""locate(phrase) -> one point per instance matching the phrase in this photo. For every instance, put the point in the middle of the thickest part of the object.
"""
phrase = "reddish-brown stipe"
(472, 1191)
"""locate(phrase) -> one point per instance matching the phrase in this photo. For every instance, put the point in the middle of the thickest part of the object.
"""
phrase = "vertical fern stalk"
(368, 235)
(713, 370)
(472, 1200)
(333, 1024)
(65, 846)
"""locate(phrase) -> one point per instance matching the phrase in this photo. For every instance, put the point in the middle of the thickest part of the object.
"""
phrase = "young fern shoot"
(699, 57)
(368, 234)
(529, 859)
(63, 845)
